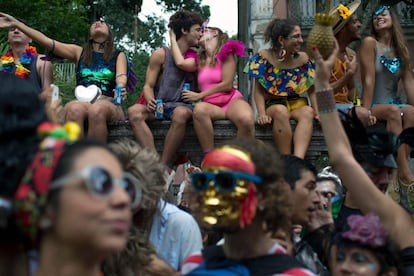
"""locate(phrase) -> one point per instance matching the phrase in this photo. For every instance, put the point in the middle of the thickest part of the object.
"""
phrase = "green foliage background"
(68, 21)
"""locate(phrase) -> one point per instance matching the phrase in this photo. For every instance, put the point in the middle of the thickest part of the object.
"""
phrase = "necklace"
(101, 44)
(26, 59)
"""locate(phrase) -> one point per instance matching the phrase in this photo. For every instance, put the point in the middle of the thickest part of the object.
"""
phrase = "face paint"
(223, 208)
(228, 208)
(357, 260)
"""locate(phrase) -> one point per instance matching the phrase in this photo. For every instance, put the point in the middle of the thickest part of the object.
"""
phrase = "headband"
(32, 192)
(231, 158)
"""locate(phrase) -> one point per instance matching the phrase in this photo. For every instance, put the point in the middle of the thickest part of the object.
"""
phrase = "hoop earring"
(281, 55)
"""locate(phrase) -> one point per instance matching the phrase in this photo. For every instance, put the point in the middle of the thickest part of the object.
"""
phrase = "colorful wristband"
(326, 101)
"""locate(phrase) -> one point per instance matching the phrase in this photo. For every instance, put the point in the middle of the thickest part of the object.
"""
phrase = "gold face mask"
(228, 192)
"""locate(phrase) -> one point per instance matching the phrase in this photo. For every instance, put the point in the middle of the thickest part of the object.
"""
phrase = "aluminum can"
(118, 95)
(186, 86)
(159, 109)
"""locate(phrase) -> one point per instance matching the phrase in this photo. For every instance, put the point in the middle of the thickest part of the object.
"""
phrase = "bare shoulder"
(266, 53)
(158, 56)
(368, 41)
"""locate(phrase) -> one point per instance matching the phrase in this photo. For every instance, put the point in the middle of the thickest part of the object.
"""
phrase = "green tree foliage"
(61, 19)
(68, 21)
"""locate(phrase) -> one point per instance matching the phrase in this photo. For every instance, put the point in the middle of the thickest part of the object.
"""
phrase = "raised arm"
(396, 220)
(367, 58)
(68, 51)
(45, 72)
(186, 64)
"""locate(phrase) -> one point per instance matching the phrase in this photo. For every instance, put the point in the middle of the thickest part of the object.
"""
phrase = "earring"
(282, 54)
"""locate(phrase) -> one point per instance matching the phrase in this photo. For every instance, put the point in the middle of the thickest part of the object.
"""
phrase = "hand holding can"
(159, 109)
(186, 86)
(118, 95)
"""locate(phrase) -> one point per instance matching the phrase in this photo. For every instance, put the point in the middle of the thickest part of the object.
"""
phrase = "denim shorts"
(168, 111)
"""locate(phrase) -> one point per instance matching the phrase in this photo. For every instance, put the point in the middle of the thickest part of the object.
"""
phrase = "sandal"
(407, 193)
(393, 190)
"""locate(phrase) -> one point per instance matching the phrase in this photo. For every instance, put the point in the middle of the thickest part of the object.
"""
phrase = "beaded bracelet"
(326, 100)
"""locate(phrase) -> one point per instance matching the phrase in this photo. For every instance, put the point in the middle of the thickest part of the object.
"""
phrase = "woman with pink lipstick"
(73, 207)
(282, 74)
(100, 71)
(385, 60)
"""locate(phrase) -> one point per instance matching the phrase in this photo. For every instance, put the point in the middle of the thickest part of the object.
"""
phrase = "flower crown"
(31, 194)
(344, 12)
(366, 230)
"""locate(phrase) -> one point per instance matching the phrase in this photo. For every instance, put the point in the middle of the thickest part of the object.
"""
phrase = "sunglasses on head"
(100, 183)
(380, 10)
(224, 181)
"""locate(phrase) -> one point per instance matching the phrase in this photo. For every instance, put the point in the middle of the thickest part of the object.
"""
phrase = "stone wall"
(224, 130)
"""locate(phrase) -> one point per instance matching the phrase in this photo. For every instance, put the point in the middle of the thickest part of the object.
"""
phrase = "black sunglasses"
(224, 181)
(100, 183)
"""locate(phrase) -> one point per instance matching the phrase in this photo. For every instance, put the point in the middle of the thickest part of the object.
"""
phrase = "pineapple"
(322, 35)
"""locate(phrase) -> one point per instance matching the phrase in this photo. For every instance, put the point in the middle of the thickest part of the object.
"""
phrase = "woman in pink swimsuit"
(218, 99)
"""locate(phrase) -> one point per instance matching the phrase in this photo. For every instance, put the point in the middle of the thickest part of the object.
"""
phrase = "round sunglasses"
(100, 183)
(224, 181)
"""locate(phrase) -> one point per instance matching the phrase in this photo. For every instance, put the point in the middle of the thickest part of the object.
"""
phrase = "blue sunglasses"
(224, 181)
(380, 10)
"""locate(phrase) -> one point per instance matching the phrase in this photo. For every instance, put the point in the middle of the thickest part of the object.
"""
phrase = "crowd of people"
(73, 204)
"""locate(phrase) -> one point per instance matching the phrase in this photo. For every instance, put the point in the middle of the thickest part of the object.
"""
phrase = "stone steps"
(224, 130)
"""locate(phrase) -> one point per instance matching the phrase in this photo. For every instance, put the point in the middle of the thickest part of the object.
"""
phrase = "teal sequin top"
(100, 73)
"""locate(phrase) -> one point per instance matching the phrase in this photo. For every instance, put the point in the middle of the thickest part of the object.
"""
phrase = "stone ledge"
(224, 130)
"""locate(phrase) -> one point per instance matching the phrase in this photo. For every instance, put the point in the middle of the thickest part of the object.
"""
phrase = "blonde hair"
(222, 38)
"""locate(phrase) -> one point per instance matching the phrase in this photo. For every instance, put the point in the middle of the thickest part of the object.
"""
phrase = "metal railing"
(64, 71)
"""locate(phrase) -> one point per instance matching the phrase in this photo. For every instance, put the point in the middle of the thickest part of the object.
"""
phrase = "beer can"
(186, 86)
(118, 95)
(159, 109)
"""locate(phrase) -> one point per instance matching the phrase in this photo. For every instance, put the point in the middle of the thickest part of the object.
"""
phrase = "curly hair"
(398, 41)
(276, 28)
(184, 20)
(222, 38)
(276, 213)
(135, 259)
(144, 164)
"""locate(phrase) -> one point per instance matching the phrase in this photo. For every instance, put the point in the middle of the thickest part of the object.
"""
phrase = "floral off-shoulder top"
(281, 82)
